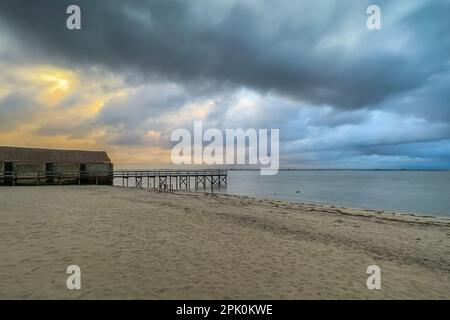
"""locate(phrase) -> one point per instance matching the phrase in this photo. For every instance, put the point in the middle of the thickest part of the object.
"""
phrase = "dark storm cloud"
(287, 47)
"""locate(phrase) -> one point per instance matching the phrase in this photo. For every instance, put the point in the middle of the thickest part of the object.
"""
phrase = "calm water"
(406, 191)
(422, 192)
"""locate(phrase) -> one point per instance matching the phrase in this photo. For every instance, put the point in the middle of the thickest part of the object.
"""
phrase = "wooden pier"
(171, 180)
(162, 180)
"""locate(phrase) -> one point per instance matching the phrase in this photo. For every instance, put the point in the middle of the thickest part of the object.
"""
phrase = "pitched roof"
(36, 155)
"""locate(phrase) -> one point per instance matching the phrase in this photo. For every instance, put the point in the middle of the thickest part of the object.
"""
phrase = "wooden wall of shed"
(98, 167)
(67, 169)
(31, 169)
(102, 170)
(28, 169)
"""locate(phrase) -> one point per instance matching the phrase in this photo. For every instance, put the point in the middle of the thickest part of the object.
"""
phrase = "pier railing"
(169, 179)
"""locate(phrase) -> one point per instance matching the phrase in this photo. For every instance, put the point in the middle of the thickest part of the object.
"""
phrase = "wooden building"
(49, 166)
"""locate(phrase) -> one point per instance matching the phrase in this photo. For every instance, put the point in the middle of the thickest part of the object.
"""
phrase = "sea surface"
(419, 192)
(422, 192)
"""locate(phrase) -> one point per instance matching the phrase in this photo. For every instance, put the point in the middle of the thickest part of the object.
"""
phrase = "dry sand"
(132, 243)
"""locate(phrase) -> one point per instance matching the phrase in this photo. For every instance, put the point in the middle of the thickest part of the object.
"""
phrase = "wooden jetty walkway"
(162, 180)
(170, 180)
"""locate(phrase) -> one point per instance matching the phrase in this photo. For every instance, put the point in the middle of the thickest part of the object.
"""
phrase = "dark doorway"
(49, 172)
(84, 179)
(8, 167)
(8, 174)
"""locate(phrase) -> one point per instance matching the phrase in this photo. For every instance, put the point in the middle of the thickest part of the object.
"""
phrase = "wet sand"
(135, 244)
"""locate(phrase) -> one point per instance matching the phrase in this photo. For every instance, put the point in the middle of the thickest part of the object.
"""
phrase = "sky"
(342, 96)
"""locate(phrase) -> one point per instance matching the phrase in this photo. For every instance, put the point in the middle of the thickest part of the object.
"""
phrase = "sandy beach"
(136, 244)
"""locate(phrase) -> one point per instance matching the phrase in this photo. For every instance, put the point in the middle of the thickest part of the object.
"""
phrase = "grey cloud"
(74, 130)
(142, 103)
(430, 102)
(439, 149)
(16, 108)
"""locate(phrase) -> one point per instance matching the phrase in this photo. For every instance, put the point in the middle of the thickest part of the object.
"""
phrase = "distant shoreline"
(388, 170)
(288, 169)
